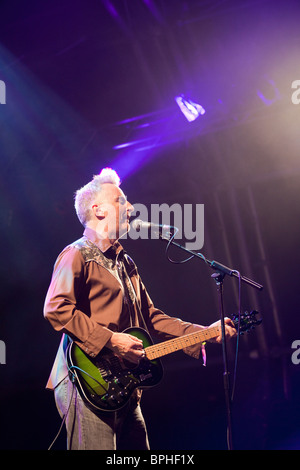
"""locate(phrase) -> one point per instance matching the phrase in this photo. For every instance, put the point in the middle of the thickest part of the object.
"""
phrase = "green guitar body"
(106, 382)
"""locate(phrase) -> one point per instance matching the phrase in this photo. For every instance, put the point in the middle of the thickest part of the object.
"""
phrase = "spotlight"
(190, 109)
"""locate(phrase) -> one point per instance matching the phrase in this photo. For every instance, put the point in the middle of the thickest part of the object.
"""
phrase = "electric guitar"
(107, 382)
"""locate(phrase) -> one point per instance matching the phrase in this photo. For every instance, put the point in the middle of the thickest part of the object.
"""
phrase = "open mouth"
(125, 218)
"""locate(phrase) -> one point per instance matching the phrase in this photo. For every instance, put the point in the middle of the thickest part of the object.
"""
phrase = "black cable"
(86, 373)
(238, 335)
(63, 420)
(73, 382)
(168, 246)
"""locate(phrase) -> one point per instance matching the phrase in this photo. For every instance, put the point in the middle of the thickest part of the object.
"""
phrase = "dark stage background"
(84, 77)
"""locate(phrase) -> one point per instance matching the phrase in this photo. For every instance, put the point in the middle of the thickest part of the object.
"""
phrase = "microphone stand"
(220, 272)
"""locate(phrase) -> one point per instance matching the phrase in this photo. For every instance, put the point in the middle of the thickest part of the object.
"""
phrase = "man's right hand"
(127, 346)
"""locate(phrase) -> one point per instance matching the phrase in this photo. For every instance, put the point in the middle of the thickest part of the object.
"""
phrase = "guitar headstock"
(248, 321)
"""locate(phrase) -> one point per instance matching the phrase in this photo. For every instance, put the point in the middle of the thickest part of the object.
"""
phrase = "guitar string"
(160, 345)
(86, 373)
(168, 346)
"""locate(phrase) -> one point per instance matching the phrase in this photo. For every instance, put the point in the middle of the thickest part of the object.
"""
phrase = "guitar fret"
(162, 349)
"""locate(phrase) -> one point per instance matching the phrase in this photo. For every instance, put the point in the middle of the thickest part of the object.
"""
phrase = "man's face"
(115, 210)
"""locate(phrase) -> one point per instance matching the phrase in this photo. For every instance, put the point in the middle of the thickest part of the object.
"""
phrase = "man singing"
(94, 295)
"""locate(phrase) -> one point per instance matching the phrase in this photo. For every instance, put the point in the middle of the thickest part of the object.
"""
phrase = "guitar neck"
(167, 347)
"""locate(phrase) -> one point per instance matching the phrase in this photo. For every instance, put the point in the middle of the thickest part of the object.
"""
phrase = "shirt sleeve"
(61, 301)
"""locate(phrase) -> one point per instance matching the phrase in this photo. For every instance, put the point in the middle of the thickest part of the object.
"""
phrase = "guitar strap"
(129, 293)
(127, 281)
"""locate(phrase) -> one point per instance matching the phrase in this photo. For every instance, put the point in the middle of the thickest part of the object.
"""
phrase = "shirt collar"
(102, 243)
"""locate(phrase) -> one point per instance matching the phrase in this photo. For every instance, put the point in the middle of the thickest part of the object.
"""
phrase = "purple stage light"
(189, 109)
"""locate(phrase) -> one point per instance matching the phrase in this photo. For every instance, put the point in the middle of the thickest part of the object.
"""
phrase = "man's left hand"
(230, 331)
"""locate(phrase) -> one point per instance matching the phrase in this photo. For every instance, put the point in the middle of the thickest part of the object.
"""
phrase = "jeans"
(86, 430)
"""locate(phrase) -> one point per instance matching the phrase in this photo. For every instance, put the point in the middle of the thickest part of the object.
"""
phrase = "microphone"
(138, 224)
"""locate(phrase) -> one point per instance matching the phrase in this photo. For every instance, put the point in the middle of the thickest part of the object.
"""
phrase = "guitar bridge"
(110, 367)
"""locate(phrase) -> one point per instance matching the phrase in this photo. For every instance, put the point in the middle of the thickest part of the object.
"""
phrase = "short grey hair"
(85, 196)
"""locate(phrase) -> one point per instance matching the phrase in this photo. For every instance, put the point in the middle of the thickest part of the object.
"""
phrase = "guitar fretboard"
(167, 347)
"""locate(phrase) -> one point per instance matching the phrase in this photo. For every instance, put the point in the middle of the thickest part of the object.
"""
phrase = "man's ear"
(98, 211)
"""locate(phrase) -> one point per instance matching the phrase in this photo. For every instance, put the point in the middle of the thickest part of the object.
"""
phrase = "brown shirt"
(91, 296)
